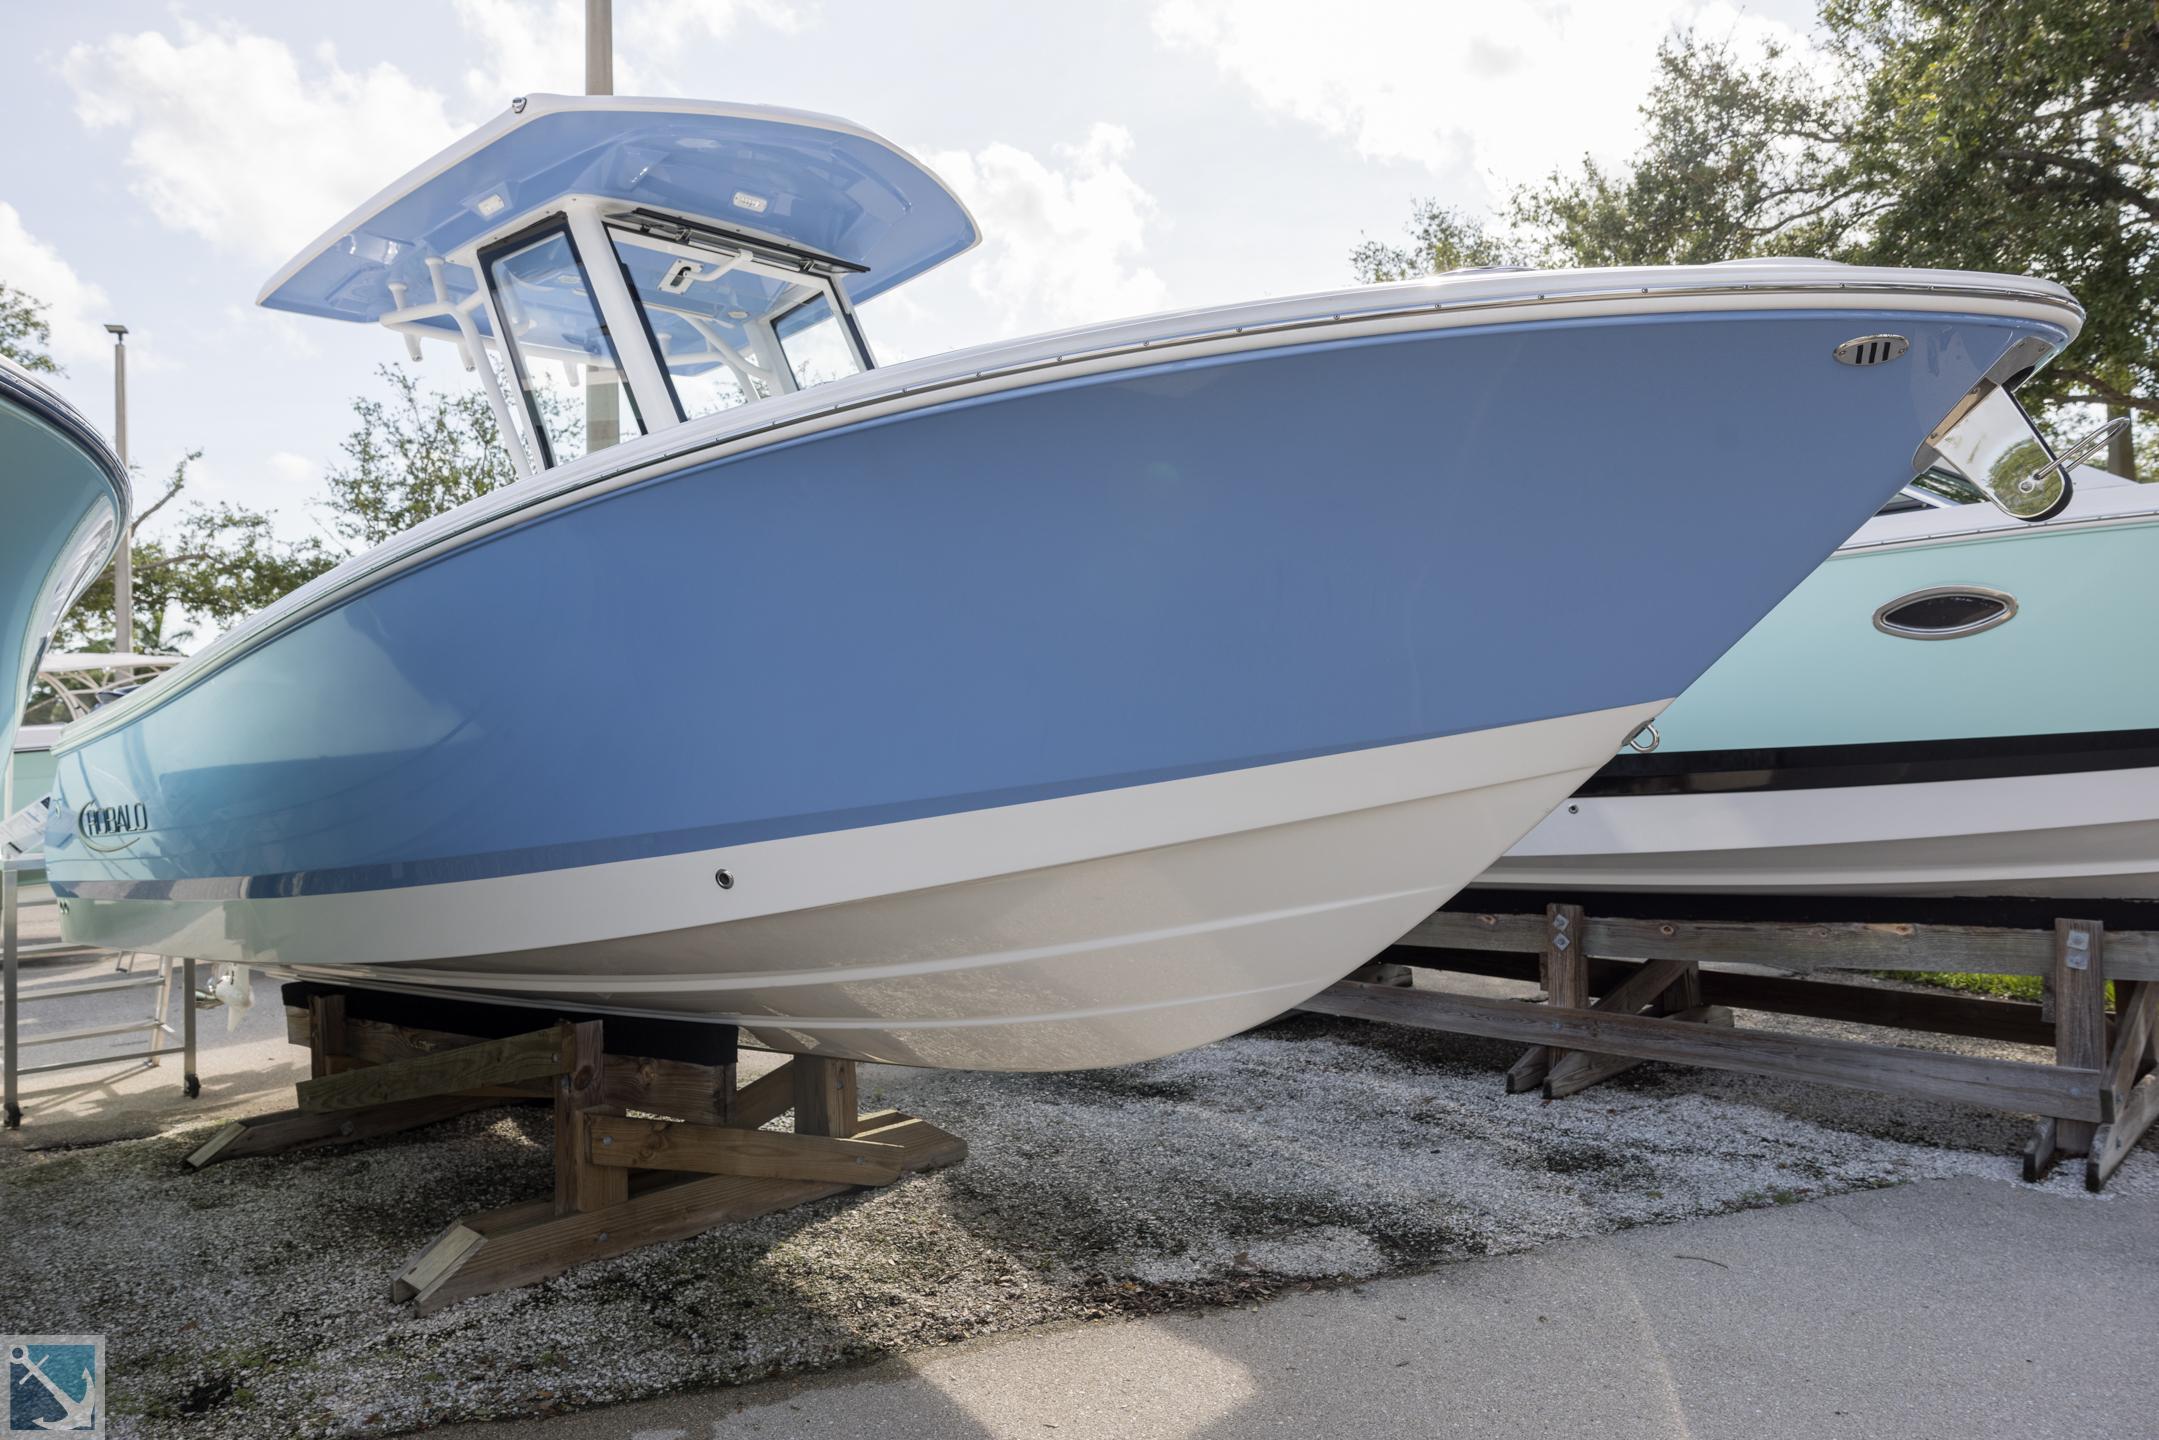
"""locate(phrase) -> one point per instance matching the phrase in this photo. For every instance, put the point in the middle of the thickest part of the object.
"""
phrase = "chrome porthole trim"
(2005, 611)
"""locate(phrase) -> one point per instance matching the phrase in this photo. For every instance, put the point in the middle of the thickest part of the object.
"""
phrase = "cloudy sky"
(1122, 156)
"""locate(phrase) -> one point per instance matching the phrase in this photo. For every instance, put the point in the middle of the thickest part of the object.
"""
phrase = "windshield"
(563, 357)
(731, 327)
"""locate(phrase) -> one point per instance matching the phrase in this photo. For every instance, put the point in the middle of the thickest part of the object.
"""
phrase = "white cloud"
(1498, 94)
(533, 46)
(1063, 241)
(75, 308)
(296, 471)
(233, 137)
(238, 138)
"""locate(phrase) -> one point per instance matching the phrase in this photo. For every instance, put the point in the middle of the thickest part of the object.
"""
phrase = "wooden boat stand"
(648, 1147)
(2096, 1100)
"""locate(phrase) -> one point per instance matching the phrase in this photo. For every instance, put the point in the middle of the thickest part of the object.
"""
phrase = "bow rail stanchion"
(1620, 989)
(654, 1140)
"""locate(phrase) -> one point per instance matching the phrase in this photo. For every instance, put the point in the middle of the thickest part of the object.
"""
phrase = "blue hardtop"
(803, 181)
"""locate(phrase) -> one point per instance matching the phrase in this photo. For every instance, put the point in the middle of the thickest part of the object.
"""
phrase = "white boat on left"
(64, 502)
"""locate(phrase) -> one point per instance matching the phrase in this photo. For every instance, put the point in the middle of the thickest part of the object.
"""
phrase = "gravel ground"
(252, 1299)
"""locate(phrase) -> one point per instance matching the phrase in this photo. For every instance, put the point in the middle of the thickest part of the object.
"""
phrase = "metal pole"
(190, 1085)
(599, 47)
(603, 402)
(123, 563)
(10, 996)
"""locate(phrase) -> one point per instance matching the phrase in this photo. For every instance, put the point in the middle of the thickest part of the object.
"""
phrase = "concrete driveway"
(1953, 1308)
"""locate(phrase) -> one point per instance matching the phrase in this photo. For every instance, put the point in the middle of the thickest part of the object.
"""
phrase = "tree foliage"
(416, 454)
(1441, 238)
(221, 563)
(413, 454)
(24, 331)
(2008, 135)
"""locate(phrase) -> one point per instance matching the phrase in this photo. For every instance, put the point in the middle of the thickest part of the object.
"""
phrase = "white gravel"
(253, 1299)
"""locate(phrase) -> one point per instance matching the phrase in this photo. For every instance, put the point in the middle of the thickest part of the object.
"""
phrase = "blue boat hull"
(1097, 587)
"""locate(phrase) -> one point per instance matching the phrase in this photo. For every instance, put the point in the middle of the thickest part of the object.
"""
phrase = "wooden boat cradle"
(646, 1149)
(2095, 1101)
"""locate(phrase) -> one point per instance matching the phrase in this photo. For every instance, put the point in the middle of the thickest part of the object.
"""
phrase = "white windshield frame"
(594, 227)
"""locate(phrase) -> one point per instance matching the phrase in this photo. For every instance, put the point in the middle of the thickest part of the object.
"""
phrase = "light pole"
(123, 568)
(599, 47)
(603, 401)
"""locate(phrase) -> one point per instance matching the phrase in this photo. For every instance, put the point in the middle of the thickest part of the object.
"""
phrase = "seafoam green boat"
(1955, 704)
(64, 502)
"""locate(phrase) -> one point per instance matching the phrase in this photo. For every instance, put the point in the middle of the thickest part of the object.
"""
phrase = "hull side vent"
(1872, 349)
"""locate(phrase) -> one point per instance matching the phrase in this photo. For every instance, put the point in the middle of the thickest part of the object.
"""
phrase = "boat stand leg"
(1669, 988)
(1563, 970)
(2130, 1097)
(190, 1082)
(824, 1096)
(11, 979)
(581, 1184)
(325, 1035)
(2079, 996)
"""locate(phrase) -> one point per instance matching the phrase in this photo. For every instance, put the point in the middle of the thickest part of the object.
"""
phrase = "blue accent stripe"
(534, 859)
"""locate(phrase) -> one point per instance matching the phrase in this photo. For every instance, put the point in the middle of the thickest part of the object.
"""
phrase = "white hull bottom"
(2087, 836)
(1061, 934)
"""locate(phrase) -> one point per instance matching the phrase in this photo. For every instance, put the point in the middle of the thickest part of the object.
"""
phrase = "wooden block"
(491, 1062)
(436, 1258)
(719, 1150)
(2133, 1030)
(325, 1034)
(2011, 1085)
(2040, 1152)
(299, 1129)
(1527, 1073)
(674, 1088)
(580, 1185)
(513, 1252)
(2080, 1019)
(824, 1096)
(2112, 1142)
(766, 1098)
(1685, 993)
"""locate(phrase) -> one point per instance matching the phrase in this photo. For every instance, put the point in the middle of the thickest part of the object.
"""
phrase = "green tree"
(221, 563)
(414, 455)
(2010, 135)
(24, 332)
(1441, 238)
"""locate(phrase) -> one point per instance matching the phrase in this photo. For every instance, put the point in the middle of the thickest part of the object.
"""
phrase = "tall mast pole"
(123, 564)
(603, 401)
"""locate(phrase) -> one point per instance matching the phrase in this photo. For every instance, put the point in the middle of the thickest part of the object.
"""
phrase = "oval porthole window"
(1945, 612)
